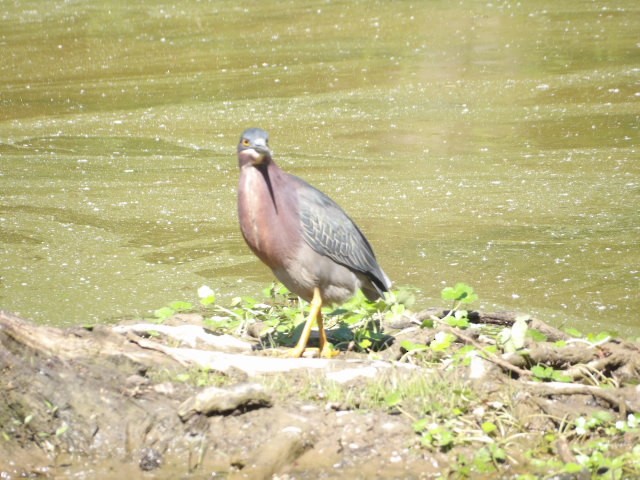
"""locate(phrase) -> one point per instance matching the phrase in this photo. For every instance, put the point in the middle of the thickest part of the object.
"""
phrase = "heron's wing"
(330, 232)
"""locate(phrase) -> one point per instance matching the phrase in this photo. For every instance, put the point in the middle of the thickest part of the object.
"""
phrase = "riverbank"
(422, 395)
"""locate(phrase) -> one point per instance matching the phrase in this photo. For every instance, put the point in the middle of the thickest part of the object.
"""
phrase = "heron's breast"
(265, 219)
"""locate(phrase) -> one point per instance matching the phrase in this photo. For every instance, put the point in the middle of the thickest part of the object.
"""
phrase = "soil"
(111, 400)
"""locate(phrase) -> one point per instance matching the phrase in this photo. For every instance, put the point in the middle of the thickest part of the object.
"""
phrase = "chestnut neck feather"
(267, 207)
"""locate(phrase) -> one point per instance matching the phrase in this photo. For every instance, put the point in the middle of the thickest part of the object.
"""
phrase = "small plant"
(207, 295)
(549, 374)
(359, 321)
(356, 324)
(443, 340)
(605, 422)
(164, 313)
(436, 436)
(461, 294)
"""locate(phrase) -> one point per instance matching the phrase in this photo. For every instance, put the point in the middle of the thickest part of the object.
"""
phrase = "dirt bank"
(176, 401)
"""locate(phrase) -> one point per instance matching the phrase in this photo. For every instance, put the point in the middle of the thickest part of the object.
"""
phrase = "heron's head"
(253, 148)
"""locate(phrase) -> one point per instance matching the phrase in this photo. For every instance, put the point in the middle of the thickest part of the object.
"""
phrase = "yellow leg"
(314, 314)
(323, 335)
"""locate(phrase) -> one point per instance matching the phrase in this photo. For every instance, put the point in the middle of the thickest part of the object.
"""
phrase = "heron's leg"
(314, 314)
(325, 347)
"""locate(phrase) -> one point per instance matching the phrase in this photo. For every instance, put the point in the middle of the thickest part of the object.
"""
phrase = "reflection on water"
(490, 143)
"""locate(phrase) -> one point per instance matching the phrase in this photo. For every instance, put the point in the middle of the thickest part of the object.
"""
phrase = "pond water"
(493, 143)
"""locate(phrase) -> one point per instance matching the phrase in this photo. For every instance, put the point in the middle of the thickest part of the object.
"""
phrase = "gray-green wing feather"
(330, 232)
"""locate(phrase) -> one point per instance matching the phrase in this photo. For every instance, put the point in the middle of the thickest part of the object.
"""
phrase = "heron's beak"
(259, 152)
(255, 153)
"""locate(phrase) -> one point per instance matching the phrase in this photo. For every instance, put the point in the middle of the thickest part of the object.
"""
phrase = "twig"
(558, 388)
(491, 357)
(189, 335)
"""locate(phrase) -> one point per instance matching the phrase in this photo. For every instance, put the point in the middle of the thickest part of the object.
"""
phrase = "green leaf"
(250, 302)
(559, 376)
(409, 346)
(427, 323)
(449, 293)
(439, 436)
(163, 313)
(460, 293)
(548, 373)
(420, 425)
(540, 371)
(210, 300)
(442, 341)
(483, 456)
(460, 320)
(536, 335)
(393, 399)
(498, 453)
(180, 306)
(489, 427)
(572, 468)
(598, 337)
(443, 438)
(573, 332)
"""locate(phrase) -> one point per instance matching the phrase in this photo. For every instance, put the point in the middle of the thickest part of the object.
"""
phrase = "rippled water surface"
(494, 143)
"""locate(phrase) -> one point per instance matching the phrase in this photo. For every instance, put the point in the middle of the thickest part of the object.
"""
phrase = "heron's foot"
(295, 352)
(326, 352)
(280, 352)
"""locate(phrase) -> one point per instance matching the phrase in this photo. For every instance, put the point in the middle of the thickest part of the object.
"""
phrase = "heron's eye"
(246, 142)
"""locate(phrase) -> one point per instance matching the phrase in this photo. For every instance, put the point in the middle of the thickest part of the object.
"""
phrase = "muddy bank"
(176, 401)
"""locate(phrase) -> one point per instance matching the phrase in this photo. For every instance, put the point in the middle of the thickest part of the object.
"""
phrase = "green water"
(494, 143)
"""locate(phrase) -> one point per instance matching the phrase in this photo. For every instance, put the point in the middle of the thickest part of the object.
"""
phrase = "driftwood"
(622, 400)
(190, 335)
(578, 358)
(557, 357)
(505, 319)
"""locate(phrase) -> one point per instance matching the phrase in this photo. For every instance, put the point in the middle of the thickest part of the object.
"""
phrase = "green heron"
(308, 241)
